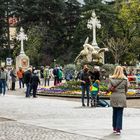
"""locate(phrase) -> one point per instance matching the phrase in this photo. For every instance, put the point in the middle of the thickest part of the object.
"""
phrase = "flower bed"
(73, 88)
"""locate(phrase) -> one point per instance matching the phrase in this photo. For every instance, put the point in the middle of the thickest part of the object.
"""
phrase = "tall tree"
(4, 29)
(71, 19)
(129, 12)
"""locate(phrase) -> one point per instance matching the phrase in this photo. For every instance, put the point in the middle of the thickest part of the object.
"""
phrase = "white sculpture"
(22, 60)
(92, 24)
(90, 54)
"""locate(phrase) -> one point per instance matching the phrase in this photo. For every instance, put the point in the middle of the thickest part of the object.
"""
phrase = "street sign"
(9, 61)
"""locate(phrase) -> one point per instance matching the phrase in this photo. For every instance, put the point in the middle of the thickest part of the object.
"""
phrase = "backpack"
(55, 71)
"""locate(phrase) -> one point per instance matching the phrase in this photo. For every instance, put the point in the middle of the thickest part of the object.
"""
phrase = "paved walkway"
(52, 119)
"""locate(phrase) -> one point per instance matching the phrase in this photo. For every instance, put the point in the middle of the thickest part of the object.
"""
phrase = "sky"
(83, 2)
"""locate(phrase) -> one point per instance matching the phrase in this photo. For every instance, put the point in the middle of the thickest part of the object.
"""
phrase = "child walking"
(94, 89)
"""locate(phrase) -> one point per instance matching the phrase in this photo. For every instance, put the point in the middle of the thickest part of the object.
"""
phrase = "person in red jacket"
(20, 74)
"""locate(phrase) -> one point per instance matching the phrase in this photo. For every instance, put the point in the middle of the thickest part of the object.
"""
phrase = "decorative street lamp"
(21, 37)
(92, 24)
(54, 62)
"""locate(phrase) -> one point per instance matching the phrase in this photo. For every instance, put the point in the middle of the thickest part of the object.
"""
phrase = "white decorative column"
(22, 60)
(94, 23)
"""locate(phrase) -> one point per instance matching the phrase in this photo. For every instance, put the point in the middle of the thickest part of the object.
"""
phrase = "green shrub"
(109, 68)
(70, 68)
(70, 85)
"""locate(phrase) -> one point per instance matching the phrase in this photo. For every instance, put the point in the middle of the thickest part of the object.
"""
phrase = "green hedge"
(76, 85)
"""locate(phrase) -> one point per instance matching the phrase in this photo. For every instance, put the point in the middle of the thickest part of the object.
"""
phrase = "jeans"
(94, 101)
(21, 82)
(0, 86)
(56, 81)
(3, 81)
(13, 86)
(47, 81)
(34, 87)
(117, 117)
(85, 88)
(27, 89)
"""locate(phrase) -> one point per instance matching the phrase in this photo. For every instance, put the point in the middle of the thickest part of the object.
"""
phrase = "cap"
(35, 71)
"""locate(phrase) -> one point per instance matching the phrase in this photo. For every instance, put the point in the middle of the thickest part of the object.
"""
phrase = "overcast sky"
(83, 2)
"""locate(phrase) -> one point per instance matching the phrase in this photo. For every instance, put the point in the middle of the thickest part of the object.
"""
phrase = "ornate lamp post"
(21, 37)
(94, 23)
(54, 62)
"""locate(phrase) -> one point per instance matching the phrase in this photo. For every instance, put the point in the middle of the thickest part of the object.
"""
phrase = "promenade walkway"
(45, 118)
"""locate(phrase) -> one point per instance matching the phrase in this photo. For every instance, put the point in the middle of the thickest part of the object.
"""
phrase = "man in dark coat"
(34, 83)
(27, 78)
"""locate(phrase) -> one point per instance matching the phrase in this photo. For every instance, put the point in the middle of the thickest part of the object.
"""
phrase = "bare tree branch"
(118, 47)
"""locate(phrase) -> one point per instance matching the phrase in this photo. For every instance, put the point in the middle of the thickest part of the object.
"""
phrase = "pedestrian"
(34, 82)
(47, 76)
(94, 90)
(55, 74)
(3, 79)
(20, 74)
(13, 78)
(125, 71)
(95, 74)
(9, 80)
(85, 84)
(27, 78)
(42, 75)
(118, 97)
(60, 75)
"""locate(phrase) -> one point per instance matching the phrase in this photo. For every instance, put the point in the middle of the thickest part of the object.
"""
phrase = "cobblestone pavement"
(19, 131)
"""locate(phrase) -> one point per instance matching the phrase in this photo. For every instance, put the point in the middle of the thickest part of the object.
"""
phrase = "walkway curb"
(79, 96)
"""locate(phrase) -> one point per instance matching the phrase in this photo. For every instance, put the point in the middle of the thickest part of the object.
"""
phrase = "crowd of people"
(29, 78)
(90, 85)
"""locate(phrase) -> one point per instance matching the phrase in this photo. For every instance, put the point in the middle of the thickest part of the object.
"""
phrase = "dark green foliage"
(61, 28)
(70, 85)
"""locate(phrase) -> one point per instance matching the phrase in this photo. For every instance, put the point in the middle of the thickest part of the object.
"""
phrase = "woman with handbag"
(119, 83)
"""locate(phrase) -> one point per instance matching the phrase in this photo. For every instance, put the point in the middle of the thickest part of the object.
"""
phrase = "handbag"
(113, 88)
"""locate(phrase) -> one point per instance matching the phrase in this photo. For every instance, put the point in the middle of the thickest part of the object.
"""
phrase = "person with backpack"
(47, 76)
(94, 90)
(60, 75)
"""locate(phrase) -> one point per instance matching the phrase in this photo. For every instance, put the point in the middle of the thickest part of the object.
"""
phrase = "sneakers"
(117, 132)
(114, 131)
